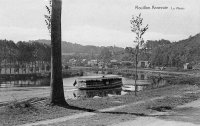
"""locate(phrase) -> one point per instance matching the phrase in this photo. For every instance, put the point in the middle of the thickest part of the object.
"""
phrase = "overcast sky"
(100, 22)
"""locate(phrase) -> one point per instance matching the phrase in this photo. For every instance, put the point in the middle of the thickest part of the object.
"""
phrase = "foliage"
(136, 27)
(48, 16)
(150, 44)
(24, 51)
(177, 53)
(105, 55)
(8, 50)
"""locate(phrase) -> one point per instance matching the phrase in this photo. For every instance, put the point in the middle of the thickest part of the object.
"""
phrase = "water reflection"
(97, 93)
(144, 82)
(25, 83)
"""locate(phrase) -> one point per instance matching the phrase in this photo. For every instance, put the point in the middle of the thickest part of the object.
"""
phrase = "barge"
(98, 82)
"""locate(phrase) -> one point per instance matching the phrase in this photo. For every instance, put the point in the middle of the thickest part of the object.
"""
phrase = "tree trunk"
(136, 72)
(0, 66)
(9, 59)
(22, 66)
(57, 90)
(35, 66)
(5, 66)
(10, 66)
(136, 61)
(31, 67)
(25, 67)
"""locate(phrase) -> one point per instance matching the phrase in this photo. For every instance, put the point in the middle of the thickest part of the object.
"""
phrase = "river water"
(144, 82)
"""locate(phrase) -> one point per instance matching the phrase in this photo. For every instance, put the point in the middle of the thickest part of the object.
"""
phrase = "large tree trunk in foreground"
(57, 91)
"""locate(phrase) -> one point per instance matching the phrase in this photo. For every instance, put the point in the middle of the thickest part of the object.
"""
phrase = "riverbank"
(130, 107)
(38, 75)
(131, 71)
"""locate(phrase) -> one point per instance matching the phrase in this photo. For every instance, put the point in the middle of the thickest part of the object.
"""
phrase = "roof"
(99, 77)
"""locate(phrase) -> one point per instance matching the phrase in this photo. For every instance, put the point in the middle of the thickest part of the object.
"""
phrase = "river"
(144, 82)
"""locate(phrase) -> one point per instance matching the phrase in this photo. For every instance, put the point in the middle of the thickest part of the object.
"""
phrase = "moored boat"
(98, 82)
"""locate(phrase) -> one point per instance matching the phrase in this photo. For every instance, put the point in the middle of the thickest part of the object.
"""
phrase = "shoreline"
(38, 75)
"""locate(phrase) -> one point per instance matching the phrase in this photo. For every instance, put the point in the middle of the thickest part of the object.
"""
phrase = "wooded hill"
(177, 53)
(70, 48)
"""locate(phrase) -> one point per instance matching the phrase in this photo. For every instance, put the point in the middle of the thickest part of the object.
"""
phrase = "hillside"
(177, 53)
(70, 48)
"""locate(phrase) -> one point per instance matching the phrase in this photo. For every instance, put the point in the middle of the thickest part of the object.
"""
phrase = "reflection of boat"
(97, 93)
(98, 82)
(129, 88)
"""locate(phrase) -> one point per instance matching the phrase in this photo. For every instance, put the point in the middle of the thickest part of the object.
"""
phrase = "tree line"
(22, 54)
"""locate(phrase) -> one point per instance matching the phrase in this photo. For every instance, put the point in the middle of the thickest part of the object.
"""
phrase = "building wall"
(143, 64)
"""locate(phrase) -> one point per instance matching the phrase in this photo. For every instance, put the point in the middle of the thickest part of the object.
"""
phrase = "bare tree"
(136, 27)
(57, 90)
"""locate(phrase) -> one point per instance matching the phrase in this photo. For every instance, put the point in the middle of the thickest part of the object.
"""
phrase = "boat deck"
(99, 77)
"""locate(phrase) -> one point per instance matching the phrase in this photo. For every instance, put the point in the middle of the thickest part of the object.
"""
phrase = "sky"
(101, 22)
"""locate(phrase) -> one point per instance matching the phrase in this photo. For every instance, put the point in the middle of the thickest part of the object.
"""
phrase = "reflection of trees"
(24, 82)
(157, 81)
(142, 76)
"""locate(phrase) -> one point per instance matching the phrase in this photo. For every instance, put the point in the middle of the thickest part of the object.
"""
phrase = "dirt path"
(183, 115)
(151, 121)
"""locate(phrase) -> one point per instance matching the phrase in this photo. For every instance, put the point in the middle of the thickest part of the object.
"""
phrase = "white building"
(92, 63)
